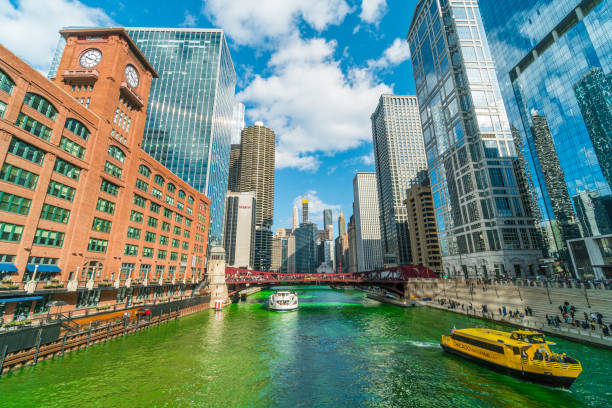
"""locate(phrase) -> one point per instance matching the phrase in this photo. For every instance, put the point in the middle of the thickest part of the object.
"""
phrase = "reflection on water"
(339, 349)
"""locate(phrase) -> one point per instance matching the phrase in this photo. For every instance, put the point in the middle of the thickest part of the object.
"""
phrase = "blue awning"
(7, 267)
(43, 268)
(21, 299)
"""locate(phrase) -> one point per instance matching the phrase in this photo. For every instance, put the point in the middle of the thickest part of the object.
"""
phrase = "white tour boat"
(283, 301)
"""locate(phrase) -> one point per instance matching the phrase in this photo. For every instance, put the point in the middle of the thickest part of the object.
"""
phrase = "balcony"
(132, 97)
(80, 76)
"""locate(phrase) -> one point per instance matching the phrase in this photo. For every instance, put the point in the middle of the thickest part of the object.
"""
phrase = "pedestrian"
(504, 309)
(500, 312)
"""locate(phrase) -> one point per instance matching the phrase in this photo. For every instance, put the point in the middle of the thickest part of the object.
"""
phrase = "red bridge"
(391, 278)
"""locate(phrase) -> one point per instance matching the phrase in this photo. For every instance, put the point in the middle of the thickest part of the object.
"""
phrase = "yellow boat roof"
(498, 336)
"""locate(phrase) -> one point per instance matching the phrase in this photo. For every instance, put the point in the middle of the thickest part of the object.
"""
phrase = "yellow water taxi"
(523, 354)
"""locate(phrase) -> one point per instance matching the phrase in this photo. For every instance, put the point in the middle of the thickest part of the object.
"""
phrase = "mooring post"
(64, 343)
(38, 340)
(3, 357)
(124, 326)
(88, 336)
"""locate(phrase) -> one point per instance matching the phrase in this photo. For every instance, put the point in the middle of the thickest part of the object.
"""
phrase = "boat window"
(488, 346)
(515, 350)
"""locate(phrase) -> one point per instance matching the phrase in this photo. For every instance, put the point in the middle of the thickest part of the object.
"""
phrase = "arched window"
(159, 180)
(41, 104)
(190, 200)
(116, 153)
(144, 170)
(6, 83)
(181, 194)
(171, 188)
(77, 128)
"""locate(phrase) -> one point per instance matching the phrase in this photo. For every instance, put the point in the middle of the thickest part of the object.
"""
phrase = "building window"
(89, 298)
(127, 270)
(18, 176)
(2, 108)
(136, 216)
(133, 233)
(147, 252)
(177, 230)
(163, 240)
(167, 213)
(183, 257)
(131, 250)
(116, 153)
(186, 233)
(34, 127)
(142, 185)
(178, 218)
(56, 214)
(105, 206)
(67, 169)
(185, 245)
(101, 225)
(26, 151)
(41, 305)
(169, 200)
(173, 257)
(48, 238)
(72, 148)
(97, 245)
(77, 128)
(10, 232)
(157, 193)
(171, 188)
(145, 272)
(6, 83)
(40, 104)
(108, 187)
(176, 243)
(161, 254)
(190, 200)
(14, 203)
(159, 180)
(155, 207)
(144, 170)
(159, 272)
(113, 170)
(165, 226)
(140, 201)
(187, 222)
(60, 190)
(150, 236)
(152, 222)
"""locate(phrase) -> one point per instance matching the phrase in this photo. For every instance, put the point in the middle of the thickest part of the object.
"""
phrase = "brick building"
(424, 243)
(86, 216)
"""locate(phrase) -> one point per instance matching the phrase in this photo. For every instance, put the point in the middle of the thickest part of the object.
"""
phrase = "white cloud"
(367, 159)
(372, 11)
(311, 104)
(189, 21)
(30, 27)
(250, 22)
(315, 207)
(397, 53)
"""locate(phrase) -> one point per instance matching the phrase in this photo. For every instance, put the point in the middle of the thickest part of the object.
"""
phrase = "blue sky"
(312, 70)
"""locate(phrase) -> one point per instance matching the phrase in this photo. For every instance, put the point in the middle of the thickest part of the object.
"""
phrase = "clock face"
(131, 75)
(90, 58)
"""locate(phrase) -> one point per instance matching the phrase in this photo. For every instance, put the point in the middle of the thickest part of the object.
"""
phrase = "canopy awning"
(8, 267)
(20, 299)
(43, 268)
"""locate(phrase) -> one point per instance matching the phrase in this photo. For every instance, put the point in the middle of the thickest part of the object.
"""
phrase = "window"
(161, 254)
(186, 233)
(140, 201)
(176, 243)
(127, 270)
(2, 108)
(113, 170)
(185, 245)
(77, 128)
(67, 169)
(101, 225)
(171, 188)
(155, 207)
(180, 205)
(133, 233)
(97, 245)
(190, 200)
(178, 218)
(53, 213)
(89, 298)
(116, 153)
(144, 170)
(481, 344)
(43, 260)
(105, 206)
(60, 190)
(147, 252)
(142, 185)
(169, 200)
(183, 257)
(14, 203)
(159, 180)
(496, 177)
(6, 83)
(189, 210)
(136, 216)
(18, 176)
(187, 222)
(152, 222)
(26, 151)
(163, 240)
(167, 213)
(173, 256)
(177, 230)
(131, 250)
(40, 104)
(181, 194)
(150, 236)
(157, 193)
(33, 126)
(41, 305)
(48, 238)
(10, 232)
(108, 187)
(71, 147)
(165, 226)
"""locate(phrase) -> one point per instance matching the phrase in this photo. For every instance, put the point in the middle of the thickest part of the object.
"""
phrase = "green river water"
(339, 349)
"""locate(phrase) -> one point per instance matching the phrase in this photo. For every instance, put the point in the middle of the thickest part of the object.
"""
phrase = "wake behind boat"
(283, 301)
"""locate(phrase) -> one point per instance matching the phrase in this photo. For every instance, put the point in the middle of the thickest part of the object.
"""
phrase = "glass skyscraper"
(554, 64)
(483, 224)
(189, 118)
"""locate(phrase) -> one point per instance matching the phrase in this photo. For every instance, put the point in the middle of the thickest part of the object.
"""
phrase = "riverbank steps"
(339, 349)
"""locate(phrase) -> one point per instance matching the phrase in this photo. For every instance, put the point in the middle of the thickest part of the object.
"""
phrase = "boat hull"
(550, 380)
(282, 308)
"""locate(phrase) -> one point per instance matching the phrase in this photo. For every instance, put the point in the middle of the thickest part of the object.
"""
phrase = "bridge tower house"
(216, 276)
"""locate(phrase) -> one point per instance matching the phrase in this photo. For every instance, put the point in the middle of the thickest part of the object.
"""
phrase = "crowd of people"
(568, 316)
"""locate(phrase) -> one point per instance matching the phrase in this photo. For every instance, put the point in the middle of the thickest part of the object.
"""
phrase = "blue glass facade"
(554, 61)
(189, 115)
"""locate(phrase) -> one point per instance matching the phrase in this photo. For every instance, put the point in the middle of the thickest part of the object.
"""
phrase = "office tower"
(424, 244)
(341, 252)
(257, 153)
(481, 223)
(276, 261)
(399, 154)
(557, 64)
(189, 116)
(295, 223)
(341, 224)
(327, 218)
(304, 211)
(239, 228)
(367, 222)
(594, 213)
(351, 262)
(233, 180)
(306, 252)
(237, 122)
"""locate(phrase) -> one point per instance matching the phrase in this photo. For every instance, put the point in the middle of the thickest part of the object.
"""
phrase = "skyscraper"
(550, 57)
(295, 219)
(237, 122)
(306, 251)
(327, 218)
(351, 262)
(304, 211)
(341, 224)
(481, 221)
(189, 116)
(399, 154)
(239, 228)
(233, 180)
(257, 153)
(367, 222)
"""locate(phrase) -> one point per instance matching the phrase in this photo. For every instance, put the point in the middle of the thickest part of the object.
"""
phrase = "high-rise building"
(367, 222)
(237, 122)
(550, 58)
(233, 180)
(306, 251)
(351, 262)
(327, 218)
(304, 211)
(399, 154)
(295, 221)
(481, 221)
(189, 115)
(239, 228)
(257, 154)
(341, 224)
(341, 256)
(594, 213)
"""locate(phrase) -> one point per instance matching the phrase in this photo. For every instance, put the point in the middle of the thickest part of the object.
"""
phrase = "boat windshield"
(536, 338)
